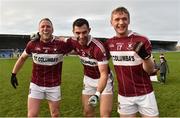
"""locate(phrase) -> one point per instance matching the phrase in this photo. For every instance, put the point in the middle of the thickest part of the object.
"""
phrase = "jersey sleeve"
(101, 55)
(148, 46)
(29, 47)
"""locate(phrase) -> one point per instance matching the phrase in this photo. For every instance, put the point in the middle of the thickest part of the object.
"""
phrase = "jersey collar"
(130, 32)
(90, 38)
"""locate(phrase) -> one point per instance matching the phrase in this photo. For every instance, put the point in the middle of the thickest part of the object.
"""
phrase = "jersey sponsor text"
(125, 58)
(47, 59)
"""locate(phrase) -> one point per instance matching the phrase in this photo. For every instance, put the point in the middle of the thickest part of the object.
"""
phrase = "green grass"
(13, 102)
(168, 95)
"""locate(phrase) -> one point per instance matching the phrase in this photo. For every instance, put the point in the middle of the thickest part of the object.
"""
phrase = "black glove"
(35, 36)
(14, 81)
(139, 48)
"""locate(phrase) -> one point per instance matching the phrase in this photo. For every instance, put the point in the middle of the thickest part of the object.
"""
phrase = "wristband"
(98, 93)
(13, 74)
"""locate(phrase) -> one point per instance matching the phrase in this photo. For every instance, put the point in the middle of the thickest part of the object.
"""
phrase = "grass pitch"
(13, 102)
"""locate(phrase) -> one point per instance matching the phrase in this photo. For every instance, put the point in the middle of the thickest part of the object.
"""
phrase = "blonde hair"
(47, 19)
(122, 10)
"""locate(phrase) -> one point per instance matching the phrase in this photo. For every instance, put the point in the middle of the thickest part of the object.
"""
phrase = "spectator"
(163, 66)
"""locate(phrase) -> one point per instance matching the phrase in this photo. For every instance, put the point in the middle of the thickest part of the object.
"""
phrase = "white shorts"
(90, 85)
(49, 93)
(145, 104)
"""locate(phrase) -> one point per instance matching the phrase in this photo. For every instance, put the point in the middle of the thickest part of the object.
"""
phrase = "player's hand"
(35, 36)
(14, 81)
(139, 48)
(61, 38)
(93, 100)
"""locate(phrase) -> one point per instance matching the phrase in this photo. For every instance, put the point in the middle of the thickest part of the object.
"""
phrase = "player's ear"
(111, 22)
(52, 29)
(89, 29)
(129, 21)
(73, 32)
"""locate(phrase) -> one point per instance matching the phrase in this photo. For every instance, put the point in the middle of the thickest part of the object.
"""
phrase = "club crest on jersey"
(119, 46)
(38, 49)
(111, 45)
(130, 46)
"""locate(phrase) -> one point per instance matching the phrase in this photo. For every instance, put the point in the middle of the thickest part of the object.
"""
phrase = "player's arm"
(148, 65)
(17, 67)
(103, 69)
(71, 46)
(20, 62)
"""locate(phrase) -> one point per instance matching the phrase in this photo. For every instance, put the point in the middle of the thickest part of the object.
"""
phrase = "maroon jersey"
(132, 79)
(91, 55)
(47, 61)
